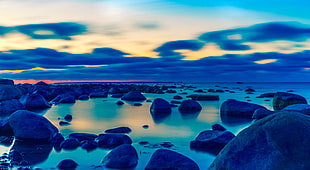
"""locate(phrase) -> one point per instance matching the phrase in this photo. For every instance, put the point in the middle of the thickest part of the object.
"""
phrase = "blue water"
(97, 115)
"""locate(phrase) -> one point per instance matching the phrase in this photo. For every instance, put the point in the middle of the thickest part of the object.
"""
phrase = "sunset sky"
(155, 40)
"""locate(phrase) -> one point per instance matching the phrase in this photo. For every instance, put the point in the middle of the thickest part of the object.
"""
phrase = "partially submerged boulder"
(164, 159)
(283, 99)
(160, 106)
(133, 96)
(279, 141)
(27, 125)
(121, 157)
(190, 106)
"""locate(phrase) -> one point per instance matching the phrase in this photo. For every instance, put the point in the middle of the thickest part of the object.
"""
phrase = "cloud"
(147, 25)
(4, 30)
(234, 39)
(109, 52)
(62, 30)
(167, 50)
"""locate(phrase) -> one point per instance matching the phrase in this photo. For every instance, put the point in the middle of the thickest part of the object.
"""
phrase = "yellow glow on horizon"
(32, 69)
(88, 65)
(265, 61)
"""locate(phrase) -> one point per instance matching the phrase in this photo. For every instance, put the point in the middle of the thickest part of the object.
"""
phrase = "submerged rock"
(121, 157)
(164, 159)
(133, 96)
(283, 99)
(235, 108)
(30, 126)
(212, 141)
(279, 141)
(190, 106)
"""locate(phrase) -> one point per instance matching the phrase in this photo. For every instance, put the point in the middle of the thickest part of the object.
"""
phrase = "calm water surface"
(97, 115)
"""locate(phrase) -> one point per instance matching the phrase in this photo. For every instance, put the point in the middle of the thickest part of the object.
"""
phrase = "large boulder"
(190, 106)
(302, 108)
(279, 141)
(27, 125)
(283, 99)
(160, 106)
(34, 101)
(212, 141)
(7, 107)
(133, 96)
(8, 92)
(235, 108)
(164, 159)
(121, 157)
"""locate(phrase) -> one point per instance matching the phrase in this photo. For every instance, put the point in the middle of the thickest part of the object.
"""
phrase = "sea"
(178, 130)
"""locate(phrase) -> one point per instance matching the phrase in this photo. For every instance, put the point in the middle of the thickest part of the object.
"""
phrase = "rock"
(63, 123)
(8, 92)
(261, 113)
(121, 157)
(30, 126)
(7, 107)
(83, 136)
(120, 103)
(98, 95)
(112, 140)
(70, 144)
(201, 97)
(68, 117)
(133, 96)
(302, 108)
(64, 98)
(6, 141)
(6, 81)
(118, 130)
(218, 127)
(164, 159)
(41, 83)
(114, 90)
(117, 95)
(190, 106)
(89, 145)
(283, 99)
(171, 91)
(160, 106)
(145, 126)
(83, 97)
(67, 164)
(235, 108)
(34, 101)
(212, 141)
(266, 95)
(57, 139)
(249, 90)
(137, 104)
(279, 141)
(177, 97)
(175, 102)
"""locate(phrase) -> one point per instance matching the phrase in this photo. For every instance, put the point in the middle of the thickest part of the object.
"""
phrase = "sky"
(155, 40)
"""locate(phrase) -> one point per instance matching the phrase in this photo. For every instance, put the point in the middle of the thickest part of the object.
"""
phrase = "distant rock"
(235, 108)
(8, 92)
(119, 95)
(261, 113)
(212, 141)
(6, 81)
(201, 97)
(137, 104)
(266, 95)
(114, 90)
(41, 83)
(34, 101)
(218, 127)
(118, 130)
(120, 103)
(7, 107)
(177, 97)
(121, 157)
(89, 145)
(83, 97)
(133, 96)
(27, 125)
(164, 159)
(112, 140)
(283, 99)
(83, 136)
(189, 106)
(67, 164)
(160, 106)
(98, 94)
(70, 144)
(279, 141)
(64, 98)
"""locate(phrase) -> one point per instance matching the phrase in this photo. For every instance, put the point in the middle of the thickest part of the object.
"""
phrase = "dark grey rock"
(30, 126)
(68, 118)
(7, 107)
(266, 95)
(112, 140)
(84, 97)
(160, 106)
(177, 97)
(133, 96)
(120, 103)
(98, 95)
(67, 164)
(34, 101)
(278, 141)
(302, 108)
(70, 144)
(57, 139)
(201, 97)
(83, 136)
(121, 157)
(6, 81)
(212, 141)
(189, 106)
(64, 123)
(261, 113)
(8, 92)
(235, 108)
(118, 130)
(89, 145)
(283, 99)
(218, 127)
(164, 159)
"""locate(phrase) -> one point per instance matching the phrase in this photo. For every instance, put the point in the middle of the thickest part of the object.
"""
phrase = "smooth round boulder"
(160, 106)
(283, 99)
(164, 159)
(70, 144)
(133, 96)
(8, 92)
(212, 141)
(67, 164)
(278, 141)
(235, 108)
(34, 101)
(30, 126)
(121, 157)
(189, 106)
(7, 107)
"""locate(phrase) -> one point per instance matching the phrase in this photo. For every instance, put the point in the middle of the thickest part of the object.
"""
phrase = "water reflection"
(190, 116)
(234, 121)
(159, 118)
(32, 153)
